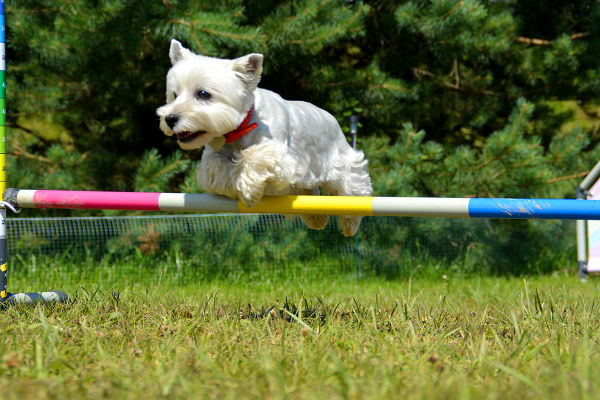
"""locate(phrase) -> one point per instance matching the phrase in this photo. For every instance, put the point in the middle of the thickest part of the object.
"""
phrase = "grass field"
(134, 335)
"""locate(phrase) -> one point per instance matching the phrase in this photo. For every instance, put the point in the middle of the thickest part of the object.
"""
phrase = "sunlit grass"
(134, 334)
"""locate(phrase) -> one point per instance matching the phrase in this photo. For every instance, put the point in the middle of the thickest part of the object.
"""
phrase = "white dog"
(258, 143)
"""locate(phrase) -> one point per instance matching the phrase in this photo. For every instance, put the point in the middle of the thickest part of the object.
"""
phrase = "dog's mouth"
(185, 137)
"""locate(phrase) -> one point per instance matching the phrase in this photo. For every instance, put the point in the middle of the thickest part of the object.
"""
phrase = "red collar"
(241, 130)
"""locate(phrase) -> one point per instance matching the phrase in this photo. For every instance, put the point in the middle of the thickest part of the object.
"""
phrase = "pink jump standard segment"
(96, 200)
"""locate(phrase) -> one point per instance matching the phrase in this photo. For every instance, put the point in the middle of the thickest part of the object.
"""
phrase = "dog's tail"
(351, 176)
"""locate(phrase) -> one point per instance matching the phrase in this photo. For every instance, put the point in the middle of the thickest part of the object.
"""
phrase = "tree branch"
(27, 130)
(544, 42)
(567, 177)
(418, 72)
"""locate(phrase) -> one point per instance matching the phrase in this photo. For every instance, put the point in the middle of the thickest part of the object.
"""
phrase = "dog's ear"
(249, 68)
(177, 52)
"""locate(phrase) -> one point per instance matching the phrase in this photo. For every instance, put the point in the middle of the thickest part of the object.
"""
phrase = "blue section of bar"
(534, 208)
(2, 29)
(2, 7)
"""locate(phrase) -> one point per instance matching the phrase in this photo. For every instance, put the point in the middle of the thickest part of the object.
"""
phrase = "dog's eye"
(203, 95)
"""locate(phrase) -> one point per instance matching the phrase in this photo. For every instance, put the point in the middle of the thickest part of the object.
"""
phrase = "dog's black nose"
(171, 120)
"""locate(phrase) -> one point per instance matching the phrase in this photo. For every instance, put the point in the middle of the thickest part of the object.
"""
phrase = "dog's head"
(206, 97)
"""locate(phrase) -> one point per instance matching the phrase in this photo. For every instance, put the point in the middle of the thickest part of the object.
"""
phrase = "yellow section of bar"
(3, 294)
(2, 175)
(3, 267)
(316, 205)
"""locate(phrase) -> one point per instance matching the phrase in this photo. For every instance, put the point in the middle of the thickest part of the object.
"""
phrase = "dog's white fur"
(297, 147)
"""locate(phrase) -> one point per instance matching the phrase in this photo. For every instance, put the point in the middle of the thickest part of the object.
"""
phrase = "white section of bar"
(3, 224)
(25, 198)
(420, 207)
(2, 56)
(196, 202)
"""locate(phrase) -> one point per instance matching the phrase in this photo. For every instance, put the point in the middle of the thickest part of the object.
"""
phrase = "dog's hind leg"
(349, 225)
(317, 222)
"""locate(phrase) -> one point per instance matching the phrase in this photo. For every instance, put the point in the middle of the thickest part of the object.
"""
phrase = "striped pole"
(6, 297)
(3, 239)
(323, 205)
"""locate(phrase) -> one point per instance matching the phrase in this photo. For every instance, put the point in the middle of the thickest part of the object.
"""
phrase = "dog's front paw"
(250, 188)
(250, 198)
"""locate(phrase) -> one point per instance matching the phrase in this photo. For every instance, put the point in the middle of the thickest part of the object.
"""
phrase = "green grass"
(135, 334)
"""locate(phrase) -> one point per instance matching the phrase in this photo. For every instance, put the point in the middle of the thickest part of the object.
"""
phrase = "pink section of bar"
(96, 200)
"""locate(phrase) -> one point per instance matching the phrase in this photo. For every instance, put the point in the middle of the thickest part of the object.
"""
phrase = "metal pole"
(3, 240)
(591, 178)
(353, 129)
(581, 228)
(353, 132)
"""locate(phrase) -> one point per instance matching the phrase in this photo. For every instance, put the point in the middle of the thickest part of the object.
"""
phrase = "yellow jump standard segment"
(318, 205)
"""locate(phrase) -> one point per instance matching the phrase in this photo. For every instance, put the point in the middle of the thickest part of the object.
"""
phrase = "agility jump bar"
(312, 205)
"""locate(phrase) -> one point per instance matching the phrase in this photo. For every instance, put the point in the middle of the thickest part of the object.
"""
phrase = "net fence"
(231, 243)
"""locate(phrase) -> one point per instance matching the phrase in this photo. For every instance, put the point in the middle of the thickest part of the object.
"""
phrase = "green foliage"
(451, 68)
(509, 164)
(56, 168)
(435, 84)
(153, 174)
(304, 29)
(468, 61)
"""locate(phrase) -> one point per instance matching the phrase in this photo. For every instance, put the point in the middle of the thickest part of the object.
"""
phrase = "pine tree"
(510, 163)
(456, 97)
(456, 68)
(93, 71)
